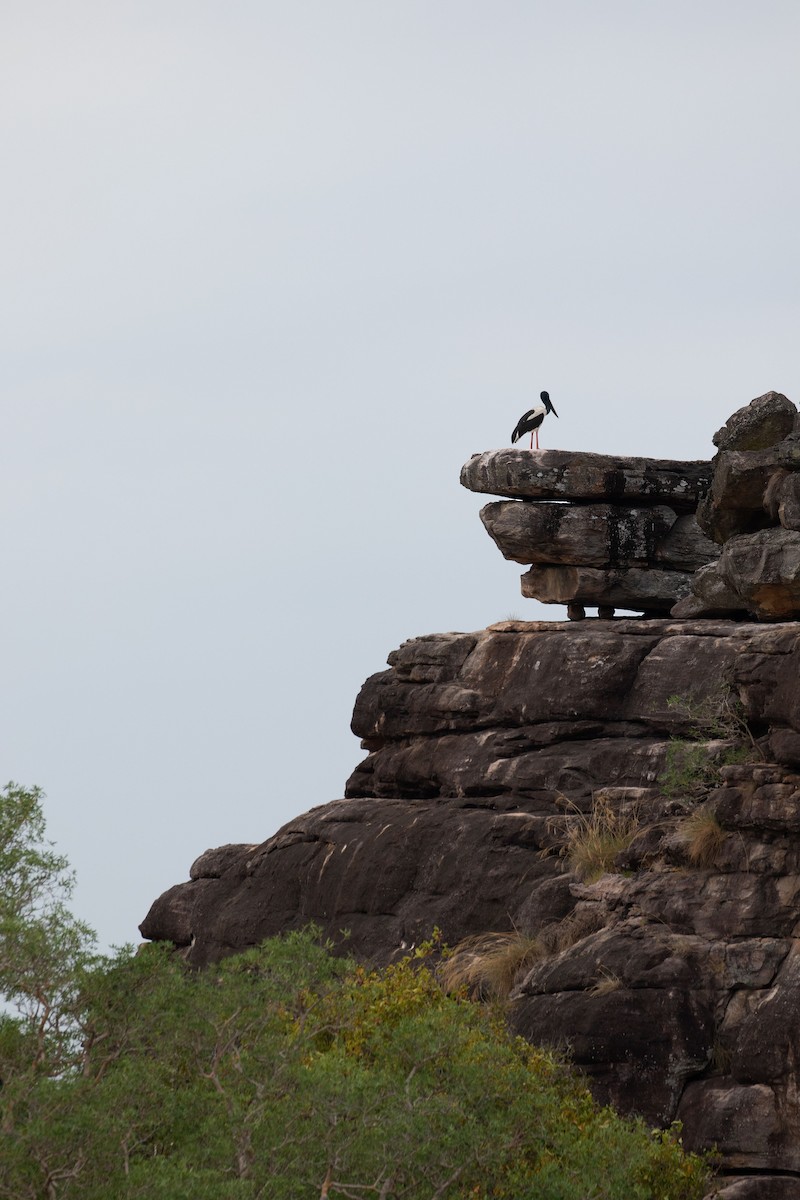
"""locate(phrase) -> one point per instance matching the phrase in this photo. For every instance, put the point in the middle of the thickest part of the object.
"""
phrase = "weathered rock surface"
(567, 475)
(653, 590)
(756, 574)
(763, 422)
(676, 989)
(592, 535)
(739, 501)
(386, 873)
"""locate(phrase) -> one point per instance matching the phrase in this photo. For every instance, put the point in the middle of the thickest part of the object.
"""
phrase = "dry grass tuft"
(606, 982)
(595, 839)
(582, 922)
(702, 837)
(489, 964)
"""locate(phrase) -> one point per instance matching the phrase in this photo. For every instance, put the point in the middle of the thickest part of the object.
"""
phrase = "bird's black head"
(546, 397)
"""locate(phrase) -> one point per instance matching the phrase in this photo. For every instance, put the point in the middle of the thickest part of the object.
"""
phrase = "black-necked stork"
(530, 422)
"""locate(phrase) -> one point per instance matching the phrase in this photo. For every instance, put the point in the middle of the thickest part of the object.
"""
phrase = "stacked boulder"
(596, 529)
(752, 510)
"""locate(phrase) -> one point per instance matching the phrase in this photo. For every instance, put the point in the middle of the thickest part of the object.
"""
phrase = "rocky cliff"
(624, 792)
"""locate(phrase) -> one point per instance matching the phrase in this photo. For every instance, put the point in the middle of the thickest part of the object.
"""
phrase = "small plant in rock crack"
(607, 981)
(718, 717)
(691, 765)
(702, 837)
(594, 839)
(689, 769)
(489, 964)
(582, 922)
(692, 768)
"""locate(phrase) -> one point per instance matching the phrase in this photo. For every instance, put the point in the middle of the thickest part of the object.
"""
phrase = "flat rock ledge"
(575, 476)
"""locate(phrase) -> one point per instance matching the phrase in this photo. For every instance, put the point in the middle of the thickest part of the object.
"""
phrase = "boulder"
(782, 499)
(625, 1001)
(756, 574)
(637, 554)
(763, 569)
(710, 596)
(763, 422)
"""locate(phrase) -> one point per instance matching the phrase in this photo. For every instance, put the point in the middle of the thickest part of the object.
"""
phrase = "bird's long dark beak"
(553, 411)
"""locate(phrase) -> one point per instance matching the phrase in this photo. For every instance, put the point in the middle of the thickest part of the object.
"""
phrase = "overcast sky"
(271, 272)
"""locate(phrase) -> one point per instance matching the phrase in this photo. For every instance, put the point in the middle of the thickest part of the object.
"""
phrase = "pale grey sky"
(271, 273)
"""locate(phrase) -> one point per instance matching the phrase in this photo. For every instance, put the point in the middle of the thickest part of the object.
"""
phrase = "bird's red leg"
(531, 439)
(537, 439)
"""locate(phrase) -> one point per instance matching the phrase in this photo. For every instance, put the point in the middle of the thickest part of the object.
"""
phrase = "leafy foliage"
(693, 762)
(286, 1072)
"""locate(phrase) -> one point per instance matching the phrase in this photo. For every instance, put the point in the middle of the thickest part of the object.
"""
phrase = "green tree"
(42, 946)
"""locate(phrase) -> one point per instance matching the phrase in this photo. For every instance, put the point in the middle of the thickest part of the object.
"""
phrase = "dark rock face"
(386, 873)
(624, 1002)
(678, 999)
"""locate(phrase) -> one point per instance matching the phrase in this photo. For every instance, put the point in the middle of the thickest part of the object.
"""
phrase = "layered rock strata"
(596, 529)
(671, 978)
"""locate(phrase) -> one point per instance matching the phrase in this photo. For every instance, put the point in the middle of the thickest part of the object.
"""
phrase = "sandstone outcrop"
(676, 992)
(669, 966)
(643, 534)
(595, 529)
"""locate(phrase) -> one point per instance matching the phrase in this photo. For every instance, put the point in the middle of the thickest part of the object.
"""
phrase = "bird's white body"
(538, 410)
(532, 419)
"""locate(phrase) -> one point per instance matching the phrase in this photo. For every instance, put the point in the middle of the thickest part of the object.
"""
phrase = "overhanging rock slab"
(572, 475)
